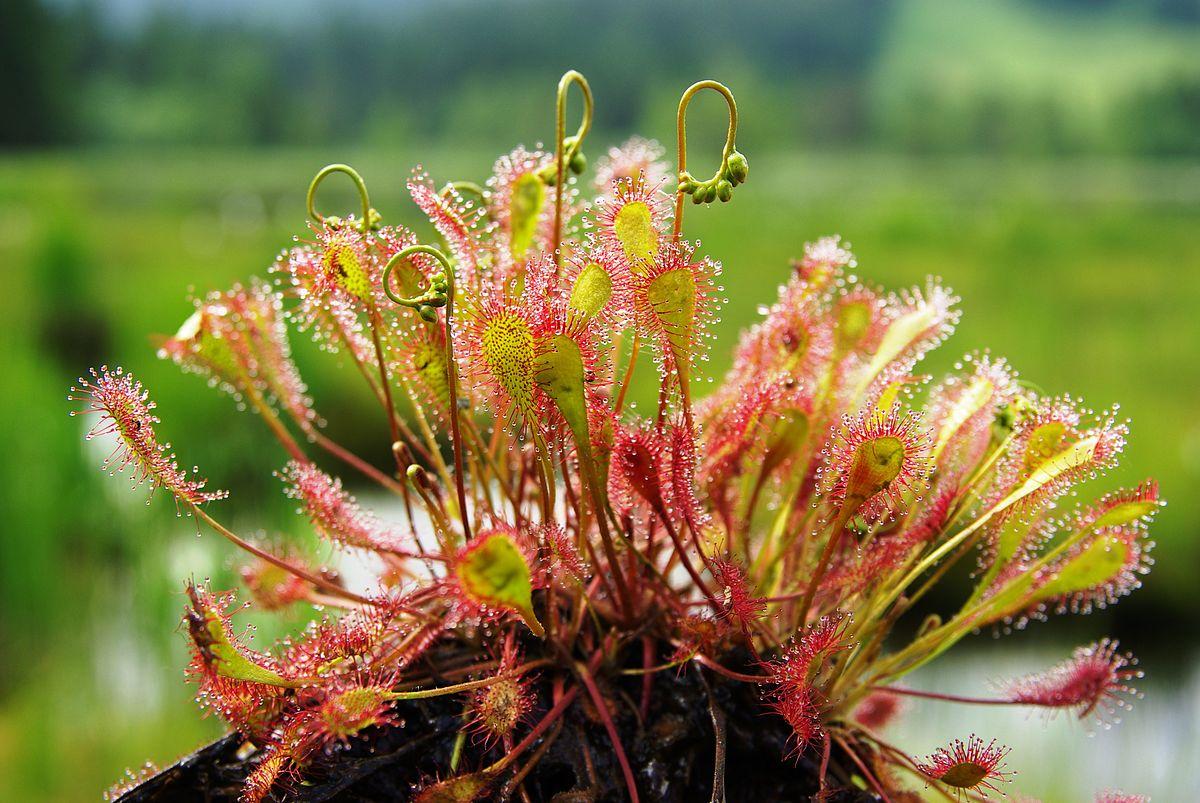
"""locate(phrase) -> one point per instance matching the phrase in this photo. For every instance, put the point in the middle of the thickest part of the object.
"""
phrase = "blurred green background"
(1042, 156)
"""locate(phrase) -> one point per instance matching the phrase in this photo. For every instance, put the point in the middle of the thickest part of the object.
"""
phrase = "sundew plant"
(559, 562)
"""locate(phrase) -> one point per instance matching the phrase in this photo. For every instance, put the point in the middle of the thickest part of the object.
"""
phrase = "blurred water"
(1154, 750)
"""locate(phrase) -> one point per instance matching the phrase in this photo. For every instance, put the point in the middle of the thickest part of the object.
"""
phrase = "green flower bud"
(737, 167)
(427, 313)
(578, 163)
(710, 193)
(724, 190)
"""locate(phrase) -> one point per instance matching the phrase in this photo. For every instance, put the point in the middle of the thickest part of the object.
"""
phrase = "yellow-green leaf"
(492, 572)
(342, 261)
(900, 335)
(852, 322)
(635, 232)
(1126, 513)
(977, 395)
(428, 362)
(459, 789)
(1044, 442)
(1012, 534)
(788, 435)
(591, 292)
(525, 207)
(1097, 564)
(507, 347)
(1075, 456)
(558, 371)
(672, 296)
(211, 636)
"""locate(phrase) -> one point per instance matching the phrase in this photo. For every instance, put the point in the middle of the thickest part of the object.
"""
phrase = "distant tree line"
(478, 73)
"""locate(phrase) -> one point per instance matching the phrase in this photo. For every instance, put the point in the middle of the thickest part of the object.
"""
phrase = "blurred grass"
(1085, 274)
(1019, 76)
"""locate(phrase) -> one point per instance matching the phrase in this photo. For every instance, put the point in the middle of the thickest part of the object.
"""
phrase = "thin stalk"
(276, 426)
(849, 751)
(353, 460)
(398, 652)
(704, 660)
(633, 356)
(516, 780)
(771, 551)
(303, 574)
(560, 155)
(587, 474)
(835, 537)
(425, 694)
(966, 620)
(373, 382)
(489, 460)
(452, 385)
(545, 465)
(647, 677)
(948, 698)
(384, 381)
(610, 727)
(429, 452)
(653, 670)
(681, 551)
(826, 750)
(551, 717)
(460, 740)
(437, 516)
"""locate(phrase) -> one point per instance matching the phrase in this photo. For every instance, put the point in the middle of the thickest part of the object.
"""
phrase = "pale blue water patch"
(1154, 750)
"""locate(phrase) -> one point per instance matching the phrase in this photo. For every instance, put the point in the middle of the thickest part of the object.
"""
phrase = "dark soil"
(673, 755)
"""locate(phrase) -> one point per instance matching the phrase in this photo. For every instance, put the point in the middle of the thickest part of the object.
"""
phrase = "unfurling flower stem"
(369, 215)
(733, 165)
(566, 151)
(440, 293)
(370, 220)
